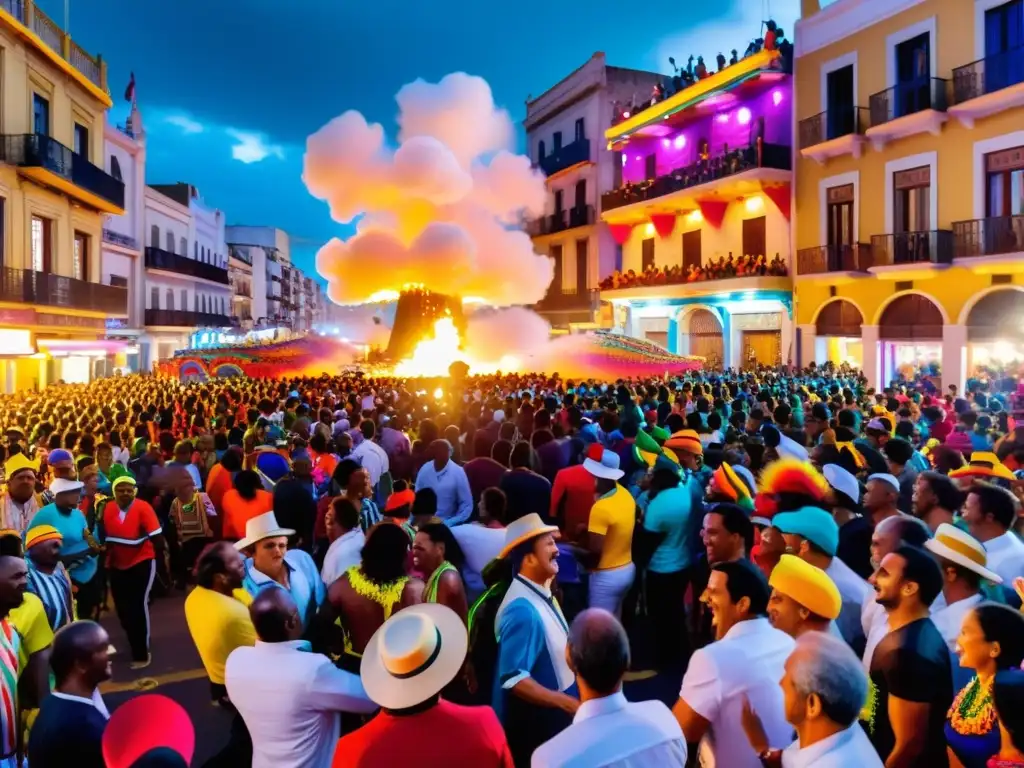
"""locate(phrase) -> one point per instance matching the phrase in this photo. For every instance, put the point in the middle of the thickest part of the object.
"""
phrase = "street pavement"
(178, 673)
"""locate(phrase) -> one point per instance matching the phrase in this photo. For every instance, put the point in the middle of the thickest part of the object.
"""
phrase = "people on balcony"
(724, 268)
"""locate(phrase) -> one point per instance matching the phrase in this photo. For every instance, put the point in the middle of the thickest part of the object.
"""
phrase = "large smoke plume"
(440, 209)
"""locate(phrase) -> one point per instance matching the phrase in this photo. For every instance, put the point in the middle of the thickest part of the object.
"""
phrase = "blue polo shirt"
(72, 529)
(305, 585)
(669, 513)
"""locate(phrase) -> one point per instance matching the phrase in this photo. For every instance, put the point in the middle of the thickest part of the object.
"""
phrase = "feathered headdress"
(788, 478)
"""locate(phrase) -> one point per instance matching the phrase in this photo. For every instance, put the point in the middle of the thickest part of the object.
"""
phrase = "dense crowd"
(724, 268)
(487, 572)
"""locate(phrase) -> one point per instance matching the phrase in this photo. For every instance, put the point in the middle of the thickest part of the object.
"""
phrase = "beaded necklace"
(972, 712)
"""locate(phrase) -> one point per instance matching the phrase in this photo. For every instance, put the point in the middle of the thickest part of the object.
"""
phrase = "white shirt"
(344, 552)
(948, 618)
(850, 748)
(95, 700)
(290, 699)
(853, 591)
(748, 660)
(611, 732)
(480, 545)
(1005, 556)
(372, 458)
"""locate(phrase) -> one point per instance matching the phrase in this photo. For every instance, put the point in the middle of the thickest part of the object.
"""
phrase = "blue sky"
(230, 89)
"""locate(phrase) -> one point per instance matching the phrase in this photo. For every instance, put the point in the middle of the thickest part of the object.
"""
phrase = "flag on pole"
(129, 92)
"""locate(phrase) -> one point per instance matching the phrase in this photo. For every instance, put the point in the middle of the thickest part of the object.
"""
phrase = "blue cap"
(814, 524)
(272, 464)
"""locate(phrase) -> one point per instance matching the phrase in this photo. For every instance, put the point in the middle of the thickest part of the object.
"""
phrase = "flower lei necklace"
(972, 713)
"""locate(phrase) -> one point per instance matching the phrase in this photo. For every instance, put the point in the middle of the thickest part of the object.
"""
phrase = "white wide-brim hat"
(413, 655)
(600, 469)
(525, 528)
(261, 527)
(950, 543)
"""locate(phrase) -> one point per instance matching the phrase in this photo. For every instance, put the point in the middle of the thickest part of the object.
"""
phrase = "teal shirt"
(72, 529)
(669, 513)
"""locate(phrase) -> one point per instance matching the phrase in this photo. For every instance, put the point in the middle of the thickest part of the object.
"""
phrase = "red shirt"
(444, 736)
(573, 493)
(129, 540)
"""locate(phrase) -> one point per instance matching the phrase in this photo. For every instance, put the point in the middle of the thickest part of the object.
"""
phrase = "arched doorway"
(705, 336)
(995, 331)
(838, 333)
(910, 332)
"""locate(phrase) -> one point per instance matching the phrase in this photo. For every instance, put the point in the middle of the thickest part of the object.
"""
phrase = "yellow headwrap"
(811, 587)
(19, 462)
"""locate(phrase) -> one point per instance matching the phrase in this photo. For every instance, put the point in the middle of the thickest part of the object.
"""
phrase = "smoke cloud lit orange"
(440, 210)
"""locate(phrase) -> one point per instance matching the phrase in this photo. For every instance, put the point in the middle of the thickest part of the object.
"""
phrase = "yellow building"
(909, 222)
(53, 195)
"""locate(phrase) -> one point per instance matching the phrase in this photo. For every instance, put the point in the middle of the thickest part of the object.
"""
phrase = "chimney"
(809, 8)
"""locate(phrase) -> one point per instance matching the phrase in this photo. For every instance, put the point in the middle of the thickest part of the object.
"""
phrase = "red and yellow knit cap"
(685, 440)
(41, 533)
(791, 477)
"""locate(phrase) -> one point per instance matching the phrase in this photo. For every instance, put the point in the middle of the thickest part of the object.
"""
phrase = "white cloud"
(186, 123)
(252, 147)
(741, 25)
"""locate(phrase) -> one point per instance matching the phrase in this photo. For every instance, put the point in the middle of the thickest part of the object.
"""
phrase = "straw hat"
(984, 464)
(525, 528)
(413, 655)
(261, 527)
(963, 549)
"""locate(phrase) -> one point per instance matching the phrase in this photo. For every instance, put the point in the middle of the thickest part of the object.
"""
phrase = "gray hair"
(825, 665)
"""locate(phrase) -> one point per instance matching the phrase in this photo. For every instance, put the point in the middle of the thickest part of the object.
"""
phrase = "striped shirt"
(54, 590)
(369, 514)
(9, 642)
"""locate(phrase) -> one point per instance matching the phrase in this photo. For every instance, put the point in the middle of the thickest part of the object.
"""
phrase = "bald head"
(598, 650)
(275, 616)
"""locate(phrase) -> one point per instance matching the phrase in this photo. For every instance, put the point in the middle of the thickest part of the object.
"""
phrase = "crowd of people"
(471, 572)
(723, 268)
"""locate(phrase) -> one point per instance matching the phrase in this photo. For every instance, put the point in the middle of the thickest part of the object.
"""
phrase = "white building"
(565, 135)
(269, 255)
(187, 285)
(124, 148)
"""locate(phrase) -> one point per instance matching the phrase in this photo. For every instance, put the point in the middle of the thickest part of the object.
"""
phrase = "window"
(154, 298)
(154, 236)
(170, 299)
(556, 140)
(912, 200)
(840, 113)
(119, 281)
(184, 247)
(80, 257)
(42, 260)
(647, 254)
(195, 250)
(170, 242)
(40, 115)
(582, 266)
(1004, 38)
(559, 204)
(1005, 183)
(840, 216)
(81, 140)
(184, 299)
(115, 168)
(581, 195)
(540, 151)
(580, 134)
(691, 250)
(913, 91)
(754, 236)
(556, 278)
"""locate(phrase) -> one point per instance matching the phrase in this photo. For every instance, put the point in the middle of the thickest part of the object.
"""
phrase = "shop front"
(995, 335)
(837, 336)
(910, 340)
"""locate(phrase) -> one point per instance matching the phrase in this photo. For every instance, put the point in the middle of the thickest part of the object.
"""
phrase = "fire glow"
(433, 356)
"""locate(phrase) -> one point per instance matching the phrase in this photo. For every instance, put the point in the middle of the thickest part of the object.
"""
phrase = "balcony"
(906, 109)
(833, 133)
(988, 86)
(832, 259)
(184, 318)
(116, 238)
(931, 247)
(733, 163)
(24, 286)
(158, 258)
(565, 157)
(49, 162)
(991, 244)
(48, 38)
(552, 223)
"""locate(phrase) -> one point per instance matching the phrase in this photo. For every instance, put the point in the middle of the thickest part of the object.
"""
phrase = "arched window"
(195, 250)
(184, 247)
(170, 242)
(115, 168)
(170, 299)
(154, 298)
(154, 237)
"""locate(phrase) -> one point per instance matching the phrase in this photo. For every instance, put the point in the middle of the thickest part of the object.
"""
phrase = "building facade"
(122, 260)
(910, 185)
(186, 256)
(700, 207)
(563, 133)
(269, 253)
(54, 192)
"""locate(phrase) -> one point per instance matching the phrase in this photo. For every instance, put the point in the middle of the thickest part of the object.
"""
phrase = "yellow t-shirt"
(29, 619)
(218, 624)
(613, 516)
